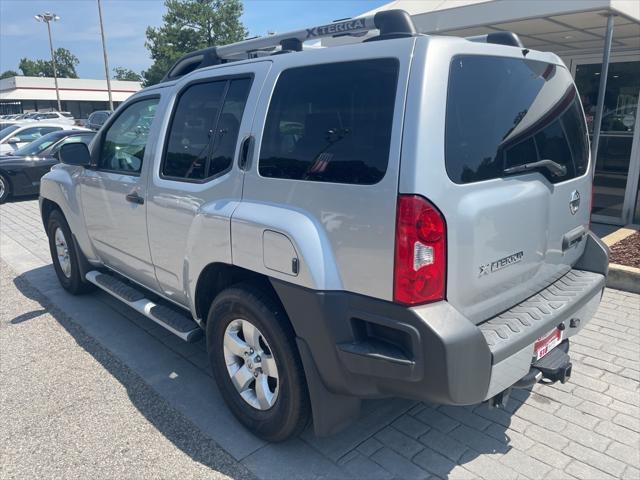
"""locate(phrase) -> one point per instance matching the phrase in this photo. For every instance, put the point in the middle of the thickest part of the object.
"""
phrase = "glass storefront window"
(618, 124)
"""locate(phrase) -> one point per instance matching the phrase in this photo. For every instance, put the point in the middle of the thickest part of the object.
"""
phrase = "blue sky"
(126, 20)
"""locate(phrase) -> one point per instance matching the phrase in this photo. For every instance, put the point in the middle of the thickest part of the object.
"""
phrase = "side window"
(204, 129)
(228, 127)
(31, 134)
(331, 122)
(126, 139)
(191, 130)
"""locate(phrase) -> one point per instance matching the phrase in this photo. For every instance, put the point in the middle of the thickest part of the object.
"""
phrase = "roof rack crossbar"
(390, 23)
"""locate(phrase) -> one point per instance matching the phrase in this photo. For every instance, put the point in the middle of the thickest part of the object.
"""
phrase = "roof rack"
(390, 23)
(500, 38)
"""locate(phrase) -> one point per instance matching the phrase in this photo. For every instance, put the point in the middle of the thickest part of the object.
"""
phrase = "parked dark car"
(97, 119)
(21, 171)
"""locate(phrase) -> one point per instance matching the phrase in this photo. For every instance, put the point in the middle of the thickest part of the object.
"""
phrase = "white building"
(78, 96)
(576, 30)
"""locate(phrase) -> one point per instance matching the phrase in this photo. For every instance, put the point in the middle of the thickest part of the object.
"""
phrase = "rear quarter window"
(331, 122)
(505, 112)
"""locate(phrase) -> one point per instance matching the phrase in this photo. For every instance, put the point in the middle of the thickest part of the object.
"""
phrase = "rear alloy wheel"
(250, 364)
(5, 189)
(256, 363)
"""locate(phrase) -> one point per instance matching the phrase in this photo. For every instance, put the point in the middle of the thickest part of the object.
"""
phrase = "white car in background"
(18, 135)
(55, 117)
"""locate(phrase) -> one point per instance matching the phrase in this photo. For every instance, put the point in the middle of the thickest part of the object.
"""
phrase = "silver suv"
(406, 216)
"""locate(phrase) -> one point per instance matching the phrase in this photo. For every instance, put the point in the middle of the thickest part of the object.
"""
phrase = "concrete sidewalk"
(588, 428)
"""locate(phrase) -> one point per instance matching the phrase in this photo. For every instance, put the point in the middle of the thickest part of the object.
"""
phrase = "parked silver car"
(407, 216)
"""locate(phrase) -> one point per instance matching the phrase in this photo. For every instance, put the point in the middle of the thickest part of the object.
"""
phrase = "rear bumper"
(366, 348)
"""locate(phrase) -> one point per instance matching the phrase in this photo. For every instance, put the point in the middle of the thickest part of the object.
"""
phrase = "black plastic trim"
(595, 257)
(448, 360)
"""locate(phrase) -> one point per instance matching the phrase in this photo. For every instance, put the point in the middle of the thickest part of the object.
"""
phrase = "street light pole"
(48, 17)
(104, 53)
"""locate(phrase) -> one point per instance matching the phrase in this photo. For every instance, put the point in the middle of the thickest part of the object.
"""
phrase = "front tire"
(256, 363)
(5, 189)
(64, 254)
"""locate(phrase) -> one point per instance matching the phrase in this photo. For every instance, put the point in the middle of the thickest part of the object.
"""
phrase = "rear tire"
(250, 339)
(64, 255)
(5, 189)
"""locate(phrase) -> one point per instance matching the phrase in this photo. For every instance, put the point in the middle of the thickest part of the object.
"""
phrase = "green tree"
(122, 73)
(191, 25)
(66, 63)
(8, 74)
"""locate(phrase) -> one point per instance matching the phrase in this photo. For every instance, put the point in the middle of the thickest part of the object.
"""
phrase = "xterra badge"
(488, 268)
(341, 27)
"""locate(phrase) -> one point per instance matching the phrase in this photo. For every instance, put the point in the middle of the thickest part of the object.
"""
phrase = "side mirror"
(13, 140)
(75, 153)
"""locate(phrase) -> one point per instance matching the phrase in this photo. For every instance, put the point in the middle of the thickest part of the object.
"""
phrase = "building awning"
(565, 27)
(78, 89)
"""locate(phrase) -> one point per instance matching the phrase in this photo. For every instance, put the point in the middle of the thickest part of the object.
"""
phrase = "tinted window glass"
(229, 126)
(31, 134)
(8, 130)
(126, 139)
(574, 127)
(191, 131)
(505, 112)
(331, 123)
(37, 146)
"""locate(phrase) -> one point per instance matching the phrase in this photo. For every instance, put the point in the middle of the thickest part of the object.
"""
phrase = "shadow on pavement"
(21, 198)
(27, 316)
(166, 419)
(451, 436)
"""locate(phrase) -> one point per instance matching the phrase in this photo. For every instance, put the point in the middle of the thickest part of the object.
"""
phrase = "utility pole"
(104, 53)
(48, 17)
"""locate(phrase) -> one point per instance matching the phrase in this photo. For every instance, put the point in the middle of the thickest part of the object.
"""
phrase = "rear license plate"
(546, 343)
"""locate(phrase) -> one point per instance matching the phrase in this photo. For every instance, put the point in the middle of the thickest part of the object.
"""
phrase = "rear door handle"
(245, 153)
(135, 198)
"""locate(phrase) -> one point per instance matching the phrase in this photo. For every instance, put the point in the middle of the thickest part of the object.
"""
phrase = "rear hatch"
(515, 189)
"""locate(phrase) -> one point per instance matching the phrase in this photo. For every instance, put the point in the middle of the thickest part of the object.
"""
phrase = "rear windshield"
(507, 112)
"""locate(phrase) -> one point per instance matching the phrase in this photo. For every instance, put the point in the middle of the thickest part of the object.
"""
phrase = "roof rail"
(500, 38)
(390, 23)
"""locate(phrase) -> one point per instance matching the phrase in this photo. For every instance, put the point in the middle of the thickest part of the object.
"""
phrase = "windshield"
(8, 131)
(37, 146)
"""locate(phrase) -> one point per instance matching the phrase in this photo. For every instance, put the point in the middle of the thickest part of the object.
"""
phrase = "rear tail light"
(420, 256)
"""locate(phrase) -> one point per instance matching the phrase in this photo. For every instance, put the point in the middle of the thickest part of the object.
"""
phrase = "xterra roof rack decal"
(390, 23)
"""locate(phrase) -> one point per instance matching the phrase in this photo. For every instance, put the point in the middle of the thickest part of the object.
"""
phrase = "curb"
(624, 278)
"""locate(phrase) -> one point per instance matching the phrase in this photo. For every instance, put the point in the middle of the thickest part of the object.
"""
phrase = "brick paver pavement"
(588, 428)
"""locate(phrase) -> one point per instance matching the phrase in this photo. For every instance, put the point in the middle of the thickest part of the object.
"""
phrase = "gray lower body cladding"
(371, 348)
(361, 347)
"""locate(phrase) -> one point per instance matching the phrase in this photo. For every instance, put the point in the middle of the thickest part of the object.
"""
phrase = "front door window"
(619, 122)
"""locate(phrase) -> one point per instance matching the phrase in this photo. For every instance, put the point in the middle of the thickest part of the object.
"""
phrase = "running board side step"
(177, 323)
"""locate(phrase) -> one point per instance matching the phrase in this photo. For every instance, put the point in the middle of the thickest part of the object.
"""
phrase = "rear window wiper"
(555, 168)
